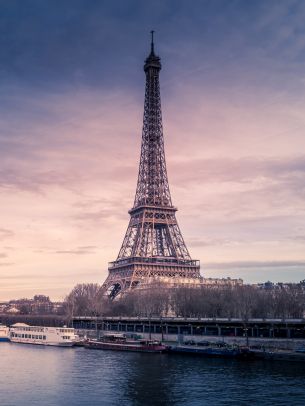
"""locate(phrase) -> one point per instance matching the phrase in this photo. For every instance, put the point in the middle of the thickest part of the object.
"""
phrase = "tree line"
(246, 301)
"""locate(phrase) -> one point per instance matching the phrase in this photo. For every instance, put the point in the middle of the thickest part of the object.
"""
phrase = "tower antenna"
(152, 41)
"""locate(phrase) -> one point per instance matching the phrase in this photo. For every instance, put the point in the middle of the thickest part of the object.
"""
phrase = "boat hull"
(293, 356)
(50, 344)
(212, 352)
(4, 339)
(95, 345)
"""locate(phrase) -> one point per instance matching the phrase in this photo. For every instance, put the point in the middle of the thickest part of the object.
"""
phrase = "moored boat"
(279, 355)
(56, 336)
(117, 342)
(213, 351)
(4, 333)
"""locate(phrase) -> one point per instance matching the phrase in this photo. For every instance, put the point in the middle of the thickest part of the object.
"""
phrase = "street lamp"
(149, 327)
(162, 335)
(246, 335)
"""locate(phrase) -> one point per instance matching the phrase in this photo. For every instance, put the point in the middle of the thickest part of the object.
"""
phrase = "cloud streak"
(4, 233)
(90, 249)
(256, 264)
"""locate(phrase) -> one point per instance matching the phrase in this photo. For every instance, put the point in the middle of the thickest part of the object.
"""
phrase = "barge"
(214, 351)
(117, 342)
(279, 355)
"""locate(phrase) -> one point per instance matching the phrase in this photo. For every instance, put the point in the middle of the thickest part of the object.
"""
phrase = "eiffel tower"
(153, 248)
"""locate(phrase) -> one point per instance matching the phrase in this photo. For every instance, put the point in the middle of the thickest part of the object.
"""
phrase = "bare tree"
(85, 299)
(279, 301)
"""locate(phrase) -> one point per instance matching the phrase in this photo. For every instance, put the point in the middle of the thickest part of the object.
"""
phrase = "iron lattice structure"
(153, 248)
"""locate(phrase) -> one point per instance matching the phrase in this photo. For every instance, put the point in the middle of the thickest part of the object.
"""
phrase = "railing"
(154, 260)
(193, 319)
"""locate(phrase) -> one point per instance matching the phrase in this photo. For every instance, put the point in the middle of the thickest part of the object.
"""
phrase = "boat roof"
(117, 335)
(28, 325)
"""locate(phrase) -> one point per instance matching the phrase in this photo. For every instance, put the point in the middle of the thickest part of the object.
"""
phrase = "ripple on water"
(49, 376)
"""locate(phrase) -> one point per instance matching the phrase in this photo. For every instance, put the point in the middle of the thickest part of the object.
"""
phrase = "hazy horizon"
(233, 102)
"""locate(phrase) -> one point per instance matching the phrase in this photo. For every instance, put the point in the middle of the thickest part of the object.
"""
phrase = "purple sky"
(71, 106)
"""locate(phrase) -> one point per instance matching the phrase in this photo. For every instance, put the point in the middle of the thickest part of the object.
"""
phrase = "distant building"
(40, 304)
(222, 282)
(13, 310)
(280, 285)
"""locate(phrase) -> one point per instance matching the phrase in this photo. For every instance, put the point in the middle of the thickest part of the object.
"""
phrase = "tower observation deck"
(153, 249)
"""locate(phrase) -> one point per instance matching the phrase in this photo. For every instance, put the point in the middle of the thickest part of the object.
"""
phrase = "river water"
(52, 376)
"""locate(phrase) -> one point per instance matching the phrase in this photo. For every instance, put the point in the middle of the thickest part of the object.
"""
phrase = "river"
(51, 376)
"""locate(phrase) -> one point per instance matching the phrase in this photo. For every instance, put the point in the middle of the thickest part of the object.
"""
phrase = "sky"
(71, 108)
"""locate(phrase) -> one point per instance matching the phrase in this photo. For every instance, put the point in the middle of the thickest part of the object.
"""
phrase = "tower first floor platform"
(136, 272)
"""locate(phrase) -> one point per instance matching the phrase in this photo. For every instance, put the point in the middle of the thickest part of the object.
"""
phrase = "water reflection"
(149, 380)
(32, 375)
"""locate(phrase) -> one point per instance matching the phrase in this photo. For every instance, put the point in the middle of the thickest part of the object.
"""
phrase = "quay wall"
(276, 333)
(272, 333)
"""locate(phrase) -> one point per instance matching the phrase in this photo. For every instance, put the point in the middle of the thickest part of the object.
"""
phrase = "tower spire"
(152, 42)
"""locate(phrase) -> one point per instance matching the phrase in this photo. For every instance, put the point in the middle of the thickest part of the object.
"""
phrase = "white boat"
(58, 336)
(4, 333)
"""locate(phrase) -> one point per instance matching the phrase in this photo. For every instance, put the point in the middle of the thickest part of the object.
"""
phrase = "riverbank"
(271, 334)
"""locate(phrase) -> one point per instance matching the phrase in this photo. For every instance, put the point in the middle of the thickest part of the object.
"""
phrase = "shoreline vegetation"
(273, 301)
(282, 301)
